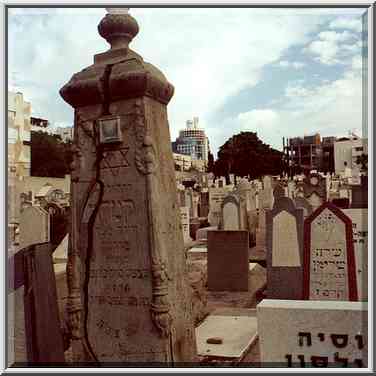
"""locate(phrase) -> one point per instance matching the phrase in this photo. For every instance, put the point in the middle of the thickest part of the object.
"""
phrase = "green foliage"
(245, 154)
(50, 156)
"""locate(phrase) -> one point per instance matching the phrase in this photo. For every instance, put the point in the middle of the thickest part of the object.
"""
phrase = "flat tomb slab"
(198, 250)
(237, 334)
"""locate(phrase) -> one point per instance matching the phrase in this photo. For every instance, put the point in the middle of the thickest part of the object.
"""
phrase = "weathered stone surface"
(216, 197)
(32, 299)
(284, 241)
(230, 213)
(184, 217)
(129, 296)
(228, 264)
(312, 334)
(34, 226)
(278, 191)
(301, 202)
(235, 334)
(197, 276)
(314, 183)
(329, 262)
(359, 219)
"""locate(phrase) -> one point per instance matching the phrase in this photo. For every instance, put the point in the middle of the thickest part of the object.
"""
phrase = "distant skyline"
(277, 72)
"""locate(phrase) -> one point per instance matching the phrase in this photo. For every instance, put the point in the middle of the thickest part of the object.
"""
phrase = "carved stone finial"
(118, 27)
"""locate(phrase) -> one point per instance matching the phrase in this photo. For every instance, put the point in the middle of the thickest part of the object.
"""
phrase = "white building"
(66, 133)
(192, 141)
(346, 153)
(19, 128)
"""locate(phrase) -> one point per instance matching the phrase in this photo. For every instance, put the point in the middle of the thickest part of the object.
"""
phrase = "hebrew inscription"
(328, 258)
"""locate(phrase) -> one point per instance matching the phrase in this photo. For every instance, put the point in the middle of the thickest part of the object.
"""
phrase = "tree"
(245, 154)
(50, 156)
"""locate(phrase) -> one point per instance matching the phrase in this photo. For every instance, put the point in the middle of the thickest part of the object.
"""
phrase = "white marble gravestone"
(297, 333)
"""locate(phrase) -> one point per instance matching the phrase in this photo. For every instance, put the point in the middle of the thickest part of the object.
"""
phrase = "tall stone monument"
(128, 294)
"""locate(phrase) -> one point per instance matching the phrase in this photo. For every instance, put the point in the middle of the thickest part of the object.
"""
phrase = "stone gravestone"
(204, 204)
(129, 298)
(296, 333)
(216, 197)
(230, 213)
(314, 183)
(278, 191)
(301, 202)
(329, 263)
(228, 263)
(291, 189)
(261, 229)
(34, 331)
(34, 226)
(359, 194)
(314, 200)
(184, 216)
(359, 219)
(284, 242)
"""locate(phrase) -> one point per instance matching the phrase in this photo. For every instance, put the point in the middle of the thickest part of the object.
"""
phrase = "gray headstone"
(34, 226)
(184, 217)
(228, 261)
(230, 213)
(35, 332)
(329, 261)
(284, 242)
(216, 197)
(278, 191)
(301, 202)
(359, 219)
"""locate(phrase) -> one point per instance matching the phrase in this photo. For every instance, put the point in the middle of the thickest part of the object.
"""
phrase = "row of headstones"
(315, 314)
(322, 257)
(241, 207)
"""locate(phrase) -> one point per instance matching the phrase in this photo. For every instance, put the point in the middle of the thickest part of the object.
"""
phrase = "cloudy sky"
(279, 72)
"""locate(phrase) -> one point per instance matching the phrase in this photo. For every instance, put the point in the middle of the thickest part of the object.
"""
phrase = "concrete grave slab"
(237, 330)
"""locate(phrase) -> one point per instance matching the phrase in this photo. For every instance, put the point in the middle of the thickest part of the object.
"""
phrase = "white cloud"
(293, 64)
(209, 55)
(330, 108)
(347, 23)
(293, 91)
(331, 46)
